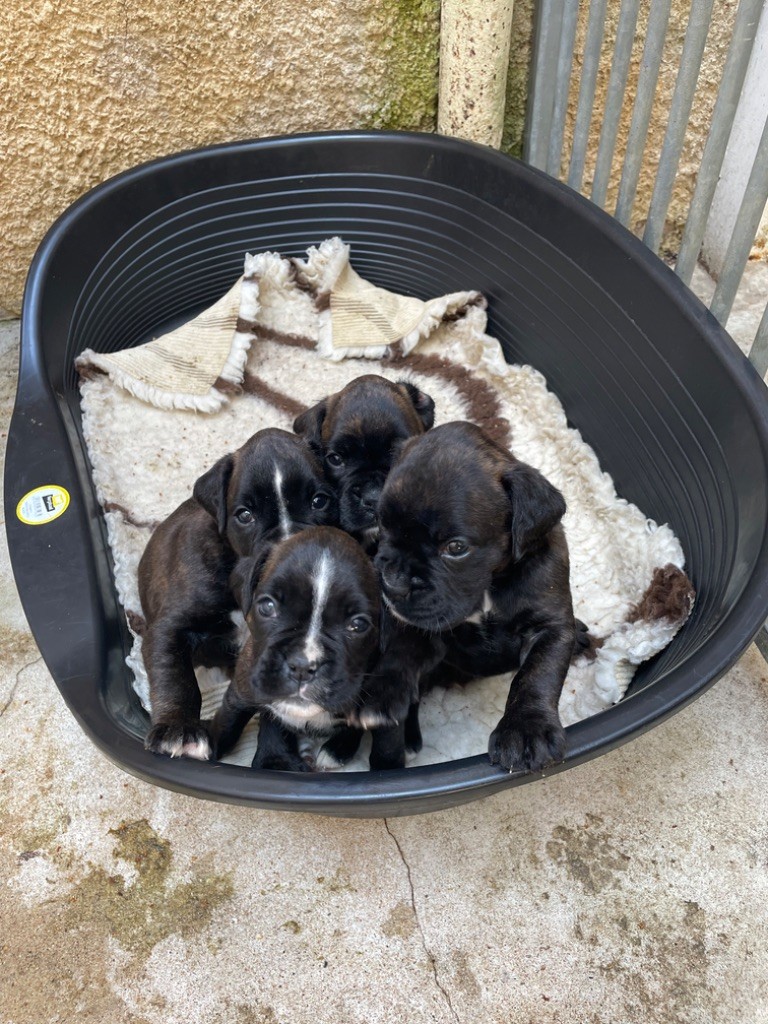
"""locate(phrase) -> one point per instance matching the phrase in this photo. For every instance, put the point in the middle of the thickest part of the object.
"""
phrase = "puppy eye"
(334, 460)
(244, 515)
(455, 548)
(320, 500)
(359, 624)
(267, 607)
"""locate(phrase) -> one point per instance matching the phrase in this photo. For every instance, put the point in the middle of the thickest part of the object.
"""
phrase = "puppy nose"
(396, 586)
(301, 668)
(369, 497)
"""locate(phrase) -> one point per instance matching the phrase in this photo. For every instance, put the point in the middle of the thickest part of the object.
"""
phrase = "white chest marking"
(321, 583)
(282, 510)
(304, 716)
(482, 613)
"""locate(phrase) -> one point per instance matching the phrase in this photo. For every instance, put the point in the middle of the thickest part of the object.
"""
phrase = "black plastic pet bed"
(674, 411)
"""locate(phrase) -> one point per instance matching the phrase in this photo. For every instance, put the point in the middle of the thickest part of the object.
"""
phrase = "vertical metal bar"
(641, 115)
(592, 46)
(549, 19)
(564, 65)
(680, 109)
(744, 231)
(739, 52)
(617, 84)
(759, 352)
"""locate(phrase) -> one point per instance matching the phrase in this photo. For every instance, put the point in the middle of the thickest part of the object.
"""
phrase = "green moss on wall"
(520, 52)
(406, 37)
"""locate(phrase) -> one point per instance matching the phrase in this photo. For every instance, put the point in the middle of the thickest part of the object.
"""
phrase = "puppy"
(472, 557)
(265, 491)
(313, 617)
(357, 432)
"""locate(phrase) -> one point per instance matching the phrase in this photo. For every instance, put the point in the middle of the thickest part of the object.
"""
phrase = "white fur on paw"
(326, 762)
(370, 719)
(200, 750)
(172, 749)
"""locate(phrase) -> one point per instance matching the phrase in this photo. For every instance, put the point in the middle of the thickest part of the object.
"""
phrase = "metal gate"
(553, 68)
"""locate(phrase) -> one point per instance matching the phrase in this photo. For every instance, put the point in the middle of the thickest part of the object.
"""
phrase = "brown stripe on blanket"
(227, 387)
(483, 404)
(128, 516)
(87, 371)
(461, 311)
(322, 300)
(670, 595)
(262, 333)
(259, 388)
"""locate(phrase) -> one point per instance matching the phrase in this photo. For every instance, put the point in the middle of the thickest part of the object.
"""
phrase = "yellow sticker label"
(43, 505)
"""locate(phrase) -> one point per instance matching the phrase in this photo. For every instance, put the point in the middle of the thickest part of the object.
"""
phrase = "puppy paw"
(179, 741)
(280, 763)
(380, 712)
(338, 749)
(527, 743)
(371, 718)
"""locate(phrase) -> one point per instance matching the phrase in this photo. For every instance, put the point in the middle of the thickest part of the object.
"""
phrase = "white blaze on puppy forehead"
(282, 510)
(321, 583)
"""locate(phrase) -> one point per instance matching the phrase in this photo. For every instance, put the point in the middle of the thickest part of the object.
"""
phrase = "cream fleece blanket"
(290, 332)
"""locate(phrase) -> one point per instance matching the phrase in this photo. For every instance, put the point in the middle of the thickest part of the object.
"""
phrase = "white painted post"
(745, 137)
(474, 58)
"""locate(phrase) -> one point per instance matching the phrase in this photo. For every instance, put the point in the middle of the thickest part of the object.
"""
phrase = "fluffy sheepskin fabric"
(307, 327)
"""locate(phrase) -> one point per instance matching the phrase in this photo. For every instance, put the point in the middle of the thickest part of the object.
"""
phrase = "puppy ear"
(309, 425)
(421, 402)
(244, 579)
(537, 506)
(210, 490)
(241, 583)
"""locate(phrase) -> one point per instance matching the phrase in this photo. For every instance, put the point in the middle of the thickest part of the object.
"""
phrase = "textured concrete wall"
(520, 55)
(706, 91)
(92, 89)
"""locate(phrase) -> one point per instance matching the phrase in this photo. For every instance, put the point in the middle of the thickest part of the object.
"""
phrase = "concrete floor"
(631, 889)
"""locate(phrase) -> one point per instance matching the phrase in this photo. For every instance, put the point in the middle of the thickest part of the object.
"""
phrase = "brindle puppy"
(358, 432)
(267, 490)
(313, 616)
(474, 563)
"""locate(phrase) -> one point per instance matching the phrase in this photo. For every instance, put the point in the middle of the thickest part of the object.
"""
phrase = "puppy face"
(313, 612)
(456, 510)
(358, 432)
(265, 491)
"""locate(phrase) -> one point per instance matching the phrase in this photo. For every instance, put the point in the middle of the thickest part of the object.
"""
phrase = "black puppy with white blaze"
(268, 489)
(313, 616)
(358, 432)
(472, 554)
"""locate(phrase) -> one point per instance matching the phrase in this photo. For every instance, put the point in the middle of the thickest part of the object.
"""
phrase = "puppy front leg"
(278, 748)
(174, 695)
(390, 744)
(393, 686)
(413, 740)
(388, 747)
(530, 735)
(229, 721)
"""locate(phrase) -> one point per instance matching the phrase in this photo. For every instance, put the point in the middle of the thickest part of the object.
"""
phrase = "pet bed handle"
(51, 552)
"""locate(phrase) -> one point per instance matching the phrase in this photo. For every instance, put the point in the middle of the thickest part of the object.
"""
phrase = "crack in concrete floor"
(428, 952)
